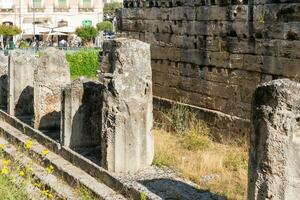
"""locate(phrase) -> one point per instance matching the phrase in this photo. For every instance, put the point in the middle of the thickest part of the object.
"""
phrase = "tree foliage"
(105, 26)
(87, 33)
(9, 30)
(109, 8)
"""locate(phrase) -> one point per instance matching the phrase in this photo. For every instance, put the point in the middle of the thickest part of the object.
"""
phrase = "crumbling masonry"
(213, 53)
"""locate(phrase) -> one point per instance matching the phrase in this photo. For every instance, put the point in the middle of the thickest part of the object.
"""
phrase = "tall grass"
(186, 144)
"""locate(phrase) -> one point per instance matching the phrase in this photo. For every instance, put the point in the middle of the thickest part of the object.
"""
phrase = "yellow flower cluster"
(28, 144)
(22, 173)
(45, 152)
(50, 169)
(5, 169)
(47, 193)
(1, 146)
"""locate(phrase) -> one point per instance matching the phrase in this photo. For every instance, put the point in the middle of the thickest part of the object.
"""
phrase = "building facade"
(52, 13)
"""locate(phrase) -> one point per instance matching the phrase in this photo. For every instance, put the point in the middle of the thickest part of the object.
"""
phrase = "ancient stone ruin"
(82, 102)
(51, 74)
(20, 80)
(275, 142)
(127, 105)
(213, 53)
(113, 118)
(109, 121)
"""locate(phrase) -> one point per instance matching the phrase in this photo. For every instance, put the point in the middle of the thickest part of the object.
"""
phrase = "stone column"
(274, 164)
(127, 142)
(81, 115)
(51, 75)
(20, 79)
(3, 81)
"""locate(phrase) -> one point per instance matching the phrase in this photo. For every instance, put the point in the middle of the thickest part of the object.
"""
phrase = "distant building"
(51, 13)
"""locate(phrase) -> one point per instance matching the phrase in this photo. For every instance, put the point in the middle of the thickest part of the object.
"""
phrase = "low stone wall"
(212, 54)
(275, 142)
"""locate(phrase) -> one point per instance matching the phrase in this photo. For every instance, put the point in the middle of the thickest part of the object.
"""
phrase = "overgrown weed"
(187, 145)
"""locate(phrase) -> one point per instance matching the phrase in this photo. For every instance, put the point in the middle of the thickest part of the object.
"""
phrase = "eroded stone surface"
(20, 78)
(214, 53)
(127, 142)
(52, 73)
(81, 115)
(275, 142)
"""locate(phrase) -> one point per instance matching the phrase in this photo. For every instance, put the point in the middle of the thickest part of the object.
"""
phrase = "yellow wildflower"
(4, 171)
(22, 173)
(45, 152)
(47, 193)
(1, 146)
(28, 144)
(50, 169)
(5, 163)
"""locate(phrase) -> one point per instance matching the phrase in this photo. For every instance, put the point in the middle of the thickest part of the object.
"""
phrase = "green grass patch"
(83, 63)
(9, 191)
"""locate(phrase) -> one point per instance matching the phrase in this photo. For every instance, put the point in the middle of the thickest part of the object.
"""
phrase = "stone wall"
(212, 54)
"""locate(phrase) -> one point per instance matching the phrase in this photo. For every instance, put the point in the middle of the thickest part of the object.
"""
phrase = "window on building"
(86, 3)
(62, 3)
(37, 3)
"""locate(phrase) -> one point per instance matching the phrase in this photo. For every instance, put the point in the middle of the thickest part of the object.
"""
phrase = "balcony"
(61, 8)
(7, 7)
(85, 8)
(36, 8)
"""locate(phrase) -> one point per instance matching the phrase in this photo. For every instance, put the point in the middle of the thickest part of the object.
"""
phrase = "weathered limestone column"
(51, 75)
(3, 81)
(20, 79)
(274, 164)
(81, 114)
(127, 142)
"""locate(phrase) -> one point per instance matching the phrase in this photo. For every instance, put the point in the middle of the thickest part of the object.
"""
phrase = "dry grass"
(192, 151)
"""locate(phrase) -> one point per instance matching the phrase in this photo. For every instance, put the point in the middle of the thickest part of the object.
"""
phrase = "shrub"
(9, 30)
(105, 26)
(83, 63)
(87, 34)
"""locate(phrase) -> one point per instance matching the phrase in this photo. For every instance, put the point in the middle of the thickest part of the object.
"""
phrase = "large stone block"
(127, 142)
(275, 142)
(81, 115)
(20, 78)
(52, 73)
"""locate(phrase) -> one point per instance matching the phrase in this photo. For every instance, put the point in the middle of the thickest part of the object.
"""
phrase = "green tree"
(105, 26)
(87, 34)
(109, 8)
(8, 30)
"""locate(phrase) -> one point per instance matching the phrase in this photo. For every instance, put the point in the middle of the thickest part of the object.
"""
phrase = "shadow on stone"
(50, 125)
(24, 107)
(175, 189)
(86, 127)
(3, 92)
